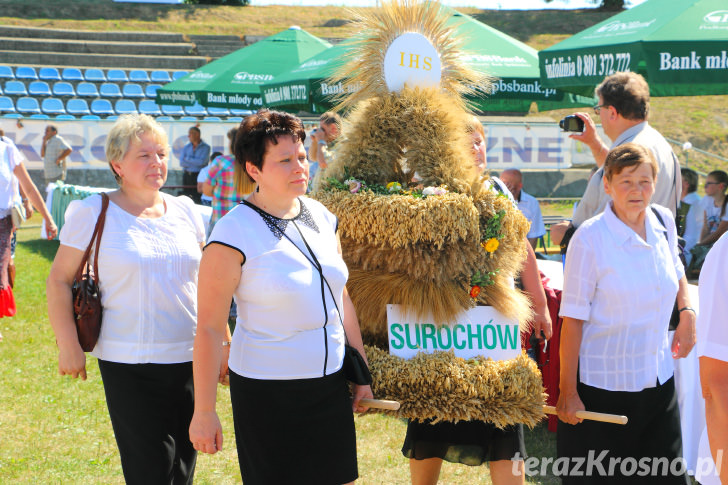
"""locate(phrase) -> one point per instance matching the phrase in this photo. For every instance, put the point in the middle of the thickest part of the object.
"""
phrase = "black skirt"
(294, 431)
(467, 442)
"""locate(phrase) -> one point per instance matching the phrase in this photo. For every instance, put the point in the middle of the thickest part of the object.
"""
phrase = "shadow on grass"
(40, 247)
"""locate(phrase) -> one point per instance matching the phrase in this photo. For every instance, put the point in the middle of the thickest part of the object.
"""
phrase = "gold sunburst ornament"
(380, 48)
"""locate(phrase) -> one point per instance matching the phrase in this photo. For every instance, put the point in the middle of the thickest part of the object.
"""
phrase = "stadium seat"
(110, 90)
(149, 107)
(49, 74)
(39, 116)
(124, 106)
(27, 106)
(39, 88)
(161, 118)
(218, 111)
(52, 106)
(132, 90)
(87, 90)
(112, 117)
(178, 74)
(211, 118)
(102, 107)
(138, 76)
(90, 117)
(6, 72)
(116, 76)
(6, 105)
(65, 117)
(63, 88)
(151, 90)
(171, 110)
(72, 74)
(95, 76)
(1, 90)
(15, 88)
(26, 72)
(240, 112)
(77, 107)
(13, 115)
(161, 77)
(188, 118)
(196, 110)
(237, 119)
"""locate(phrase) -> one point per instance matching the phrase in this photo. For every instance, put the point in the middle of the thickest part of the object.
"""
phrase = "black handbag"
(675, 317)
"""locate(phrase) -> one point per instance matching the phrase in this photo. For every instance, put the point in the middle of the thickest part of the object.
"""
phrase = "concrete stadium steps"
(117, 36)
(106, 61)
(216, 46)
(96, 47)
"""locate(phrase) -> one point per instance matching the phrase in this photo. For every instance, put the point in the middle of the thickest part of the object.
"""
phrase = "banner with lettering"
(481, 331)
(680, 47)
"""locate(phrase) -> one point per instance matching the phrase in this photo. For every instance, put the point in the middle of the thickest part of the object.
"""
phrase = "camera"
(572, 123)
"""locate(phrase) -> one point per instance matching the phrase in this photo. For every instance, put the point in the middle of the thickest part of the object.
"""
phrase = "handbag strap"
(95, 237)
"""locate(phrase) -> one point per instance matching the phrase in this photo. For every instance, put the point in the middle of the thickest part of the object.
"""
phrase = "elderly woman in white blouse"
(148, 263)
(621, 279)
(278, 254)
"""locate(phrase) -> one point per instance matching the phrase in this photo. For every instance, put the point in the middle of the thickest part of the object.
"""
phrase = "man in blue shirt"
(195, 156)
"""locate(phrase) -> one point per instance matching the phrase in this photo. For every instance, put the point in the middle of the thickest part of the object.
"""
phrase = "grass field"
(57, 430)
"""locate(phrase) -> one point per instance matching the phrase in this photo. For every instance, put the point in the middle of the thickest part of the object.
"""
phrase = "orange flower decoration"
(491, 245)
(474, 291)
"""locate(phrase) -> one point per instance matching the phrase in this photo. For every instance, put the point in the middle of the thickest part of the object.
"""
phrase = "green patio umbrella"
(232, 81)
(680, 46)
(514, 64)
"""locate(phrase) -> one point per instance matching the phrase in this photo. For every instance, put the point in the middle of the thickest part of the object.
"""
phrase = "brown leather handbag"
(86, 294)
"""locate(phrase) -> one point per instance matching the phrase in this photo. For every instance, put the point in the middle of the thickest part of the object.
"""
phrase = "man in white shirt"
(54, 152)
(527, 204)
(624, 106)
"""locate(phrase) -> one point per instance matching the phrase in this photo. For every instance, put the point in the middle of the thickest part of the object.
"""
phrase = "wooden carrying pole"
(380, 404)
(603, 417)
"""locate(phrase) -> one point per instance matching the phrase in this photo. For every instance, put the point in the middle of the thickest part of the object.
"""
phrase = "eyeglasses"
(711, 183)
(598, 108)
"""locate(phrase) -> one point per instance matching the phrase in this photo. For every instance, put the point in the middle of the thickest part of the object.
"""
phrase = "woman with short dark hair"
(278, 254)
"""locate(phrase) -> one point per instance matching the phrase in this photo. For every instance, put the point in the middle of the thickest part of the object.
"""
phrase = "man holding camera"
(324, 138)
(624, 105)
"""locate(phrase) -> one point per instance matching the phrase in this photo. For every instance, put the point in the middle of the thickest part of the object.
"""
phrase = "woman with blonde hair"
(148, 262)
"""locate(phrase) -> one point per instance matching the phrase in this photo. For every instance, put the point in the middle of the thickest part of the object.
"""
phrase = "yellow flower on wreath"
(491, 245)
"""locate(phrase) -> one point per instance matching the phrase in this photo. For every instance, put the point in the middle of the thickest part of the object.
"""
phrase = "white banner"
(481, 331)
(510, 145)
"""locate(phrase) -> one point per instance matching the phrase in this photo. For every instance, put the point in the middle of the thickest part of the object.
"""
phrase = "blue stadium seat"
(13, 115)
(27, 106)
(110, 90)
(138, 76)
(65, 117)
(240, 112)
(26, 72)
(160, 76)
(116, 76)
(6, 105)
(102, 107)
(196, 110)
(39, 116)
(39, 88)
(72, 74)
(188, 118)
(15, 88)
(149, 107)
(124, 106)
(161, 118)
(112, 117)
(63, 88)
(87, 90)
(132, 90)
(171, 110)
(53, 106)
(49, 74)
(90, 117)
(151, 90)
(6, 72)
(1, 90)
(211, 118)
(95, 75)
(237, 119)
(77, 107)
(218, 111)
(178, 74)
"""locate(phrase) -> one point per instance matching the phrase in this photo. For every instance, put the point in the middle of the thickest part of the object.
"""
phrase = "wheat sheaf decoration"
(418, 227)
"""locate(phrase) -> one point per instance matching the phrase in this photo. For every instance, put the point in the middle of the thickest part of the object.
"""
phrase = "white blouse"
(148, 278)
(712, 330)
(283, 329)
(10, 158)
(623, 288)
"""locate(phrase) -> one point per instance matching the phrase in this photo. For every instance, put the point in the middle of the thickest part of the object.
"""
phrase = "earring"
(257, 188)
